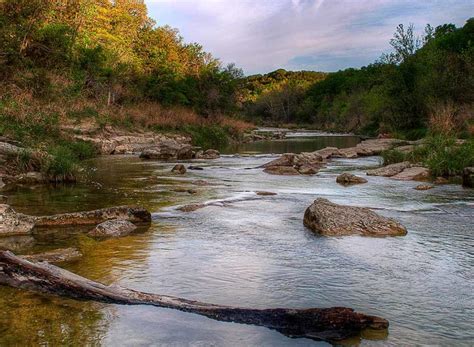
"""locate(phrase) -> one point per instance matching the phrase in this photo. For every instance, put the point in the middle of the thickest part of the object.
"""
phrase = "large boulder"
(389, 170)
(327, 218)
(14, 223)
(113, 229)
(347, 179)
(416, 173)
(468, 177)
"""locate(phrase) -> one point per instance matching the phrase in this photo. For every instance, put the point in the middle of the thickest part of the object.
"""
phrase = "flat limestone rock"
(132, 214)
(327, 218)
(413, 173)
(56, 256)
(14, 223)
(389, 170)
(113, 229)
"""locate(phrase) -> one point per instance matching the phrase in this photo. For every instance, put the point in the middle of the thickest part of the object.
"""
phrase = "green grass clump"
(393, 156)
(446, 158)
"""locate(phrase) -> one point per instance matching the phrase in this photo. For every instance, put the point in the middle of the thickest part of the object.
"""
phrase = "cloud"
(326, 35)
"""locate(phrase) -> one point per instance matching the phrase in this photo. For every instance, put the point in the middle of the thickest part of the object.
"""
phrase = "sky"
(260, 36)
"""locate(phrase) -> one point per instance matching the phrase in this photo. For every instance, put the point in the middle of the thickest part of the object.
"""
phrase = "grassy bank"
(47, 128)
(443, 155)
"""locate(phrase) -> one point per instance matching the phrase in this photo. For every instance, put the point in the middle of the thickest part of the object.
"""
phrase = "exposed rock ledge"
(311, 162)
(327, 218)
(114, 141)
(14, 223)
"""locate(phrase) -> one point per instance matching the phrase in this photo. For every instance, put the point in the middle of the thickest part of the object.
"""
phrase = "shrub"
(212, 136)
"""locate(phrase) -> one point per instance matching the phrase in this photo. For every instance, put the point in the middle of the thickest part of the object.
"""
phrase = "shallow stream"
(253, 251)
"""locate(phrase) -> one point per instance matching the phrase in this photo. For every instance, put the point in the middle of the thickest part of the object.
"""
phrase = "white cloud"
(264, 35)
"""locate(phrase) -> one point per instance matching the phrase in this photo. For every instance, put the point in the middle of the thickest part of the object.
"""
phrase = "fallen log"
(328, 324)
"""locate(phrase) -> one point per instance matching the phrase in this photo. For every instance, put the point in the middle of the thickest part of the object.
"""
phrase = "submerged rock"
(416, 173)
(132, 214)
(56, 256)
(327, 218)
(468, 177)
(349, 179)
(191, 207)
(389, 170)
(112, 229)
(179, 169)
(195, 168)
(261, 193)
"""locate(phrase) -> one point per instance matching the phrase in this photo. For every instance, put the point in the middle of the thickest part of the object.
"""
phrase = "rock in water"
(179, 169)
(13, 223)
(468, 177)
(349, 179)
(327, 218)
(389, 170)
(424, 187)
(113, 228)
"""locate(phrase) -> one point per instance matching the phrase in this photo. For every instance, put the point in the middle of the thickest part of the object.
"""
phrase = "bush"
(208, 136)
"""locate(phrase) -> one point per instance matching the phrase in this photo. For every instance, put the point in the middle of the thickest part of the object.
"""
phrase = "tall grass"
(441, 154)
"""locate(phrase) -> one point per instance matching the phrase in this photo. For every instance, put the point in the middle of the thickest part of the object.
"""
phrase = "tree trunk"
(329, 324)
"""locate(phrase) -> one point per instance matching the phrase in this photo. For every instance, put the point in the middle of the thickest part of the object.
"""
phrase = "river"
(252, 251)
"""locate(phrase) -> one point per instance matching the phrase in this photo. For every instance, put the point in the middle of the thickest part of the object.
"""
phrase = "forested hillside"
(426, 81)
(108, 60)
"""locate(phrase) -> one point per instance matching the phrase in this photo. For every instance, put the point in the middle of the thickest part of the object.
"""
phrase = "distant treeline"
(425, 82)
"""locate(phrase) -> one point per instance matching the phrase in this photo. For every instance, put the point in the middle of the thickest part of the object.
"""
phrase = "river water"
(252, 251)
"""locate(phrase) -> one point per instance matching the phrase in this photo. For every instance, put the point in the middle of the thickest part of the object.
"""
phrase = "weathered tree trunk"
(328, 324)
